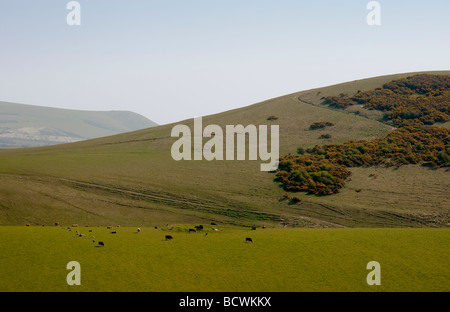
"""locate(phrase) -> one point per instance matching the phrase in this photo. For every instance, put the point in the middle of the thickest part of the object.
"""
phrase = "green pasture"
(280, 259)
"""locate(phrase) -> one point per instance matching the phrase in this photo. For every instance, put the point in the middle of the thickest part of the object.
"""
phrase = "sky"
(172, 60)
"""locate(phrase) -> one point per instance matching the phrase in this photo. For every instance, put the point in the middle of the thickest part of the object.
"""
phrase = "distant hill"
(31, 126)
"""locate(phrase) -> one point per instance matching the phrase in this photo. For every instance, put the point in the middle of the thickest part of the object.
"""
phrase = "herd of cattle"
(196, 229)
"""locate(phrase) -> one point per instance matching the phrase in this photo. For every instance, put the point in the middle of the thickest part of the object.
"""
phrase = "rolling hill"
(30, 126)
(131, 178)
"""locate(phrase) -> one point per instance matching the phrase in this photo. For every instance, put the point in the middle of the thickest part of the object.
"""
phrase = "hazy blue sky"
(172, 60)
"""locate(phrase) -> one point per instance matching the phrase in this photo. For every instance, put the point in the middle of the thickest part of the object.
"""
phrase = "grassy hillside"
(35, 259)
(28, 126)
(131, 179)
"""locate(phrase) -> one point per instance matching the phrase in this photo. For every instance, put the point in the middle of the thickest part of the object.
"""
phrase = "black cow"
(199, 227)
(169, 237)
(101, 244)
(248, 240)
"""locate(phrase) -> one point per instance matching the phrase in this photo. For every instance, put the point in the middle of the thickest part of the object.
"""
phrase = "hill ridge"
(24, 125)
(140, 161)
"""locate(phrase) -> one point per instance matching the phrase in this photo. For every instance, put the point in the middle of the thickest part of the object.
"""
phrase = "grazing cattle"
(156, 227)
(199, 227)
(56, 223)
(138, 230)
(82, 235)
(101, 244)
(74, 225)
(253, 228)
(212, 223)
(114, 232)
(169, 237)
(192, 230)
(28, 224)
(109, 227)
(248, 240)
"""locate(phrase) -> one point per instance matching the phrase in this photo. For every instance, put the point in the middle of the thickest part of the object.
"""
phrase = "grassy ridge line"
(35, 258)
(140, 161)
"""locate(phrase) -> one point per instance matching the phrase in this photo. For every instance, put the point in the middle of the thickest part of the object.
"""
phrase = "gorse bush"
(411, 144)
(312, 174)
(412, 103)
(301, 151)
(425, 98)
(320, 125)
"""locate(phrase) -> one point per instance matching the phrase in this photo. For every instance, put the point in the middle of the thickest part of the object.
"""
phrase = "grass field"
(35, 258)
